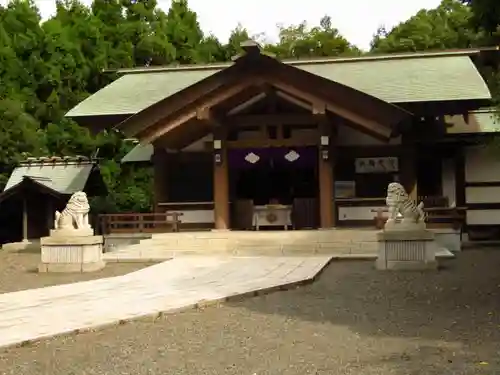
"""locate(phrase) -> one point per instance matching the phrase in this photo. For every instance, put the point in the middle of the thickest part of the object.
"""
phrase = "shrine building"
(319, 139)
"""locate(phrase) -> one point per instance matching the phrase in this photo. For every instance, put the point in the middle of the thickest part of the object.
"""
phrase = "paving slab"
(173, 285)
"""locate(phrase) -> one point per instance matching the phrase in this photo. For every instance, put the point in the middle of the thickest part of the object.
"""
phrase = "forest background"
(46, 68)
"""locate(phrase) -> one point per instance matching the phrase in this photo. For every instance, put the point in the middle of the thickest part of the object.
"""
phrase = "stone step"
(251, 243)
(289, 236)
(232, 243)
(203, 248)
(337, 243)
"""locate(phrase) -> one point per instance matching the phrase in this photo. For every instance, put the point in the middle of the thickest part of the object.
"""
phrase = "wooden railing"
(436, 217)
(446, 216)
(140, 222)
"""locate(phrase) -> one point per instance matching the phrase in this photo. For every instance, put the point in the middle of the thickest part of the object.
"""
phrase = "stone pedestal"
(71, 252)
(406, 249)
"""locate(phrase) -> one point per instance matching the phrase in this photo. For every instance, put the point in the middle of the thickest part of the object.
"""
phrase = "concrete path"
(166, 287)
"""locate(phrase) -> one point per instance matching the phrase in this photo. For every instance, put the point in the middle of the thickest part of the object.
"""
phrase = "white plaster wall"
(448, 180)
(483, 194)
(196, 216)
(483, 217)
(481, 165)
(358, 213)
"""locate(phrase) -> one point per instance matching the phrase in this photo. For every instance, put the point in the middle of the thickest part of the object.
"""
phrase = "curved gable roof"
(396, 79)
(250, 71)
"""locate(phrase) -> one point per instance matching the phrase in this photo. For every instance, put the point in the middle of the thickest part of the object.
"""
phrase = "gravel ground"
(353, 320)
(18, 271)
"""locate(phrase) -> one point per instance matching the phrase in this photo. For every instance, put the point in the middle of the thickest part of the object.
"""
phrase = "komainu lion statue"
(399, 202)
(76, 213)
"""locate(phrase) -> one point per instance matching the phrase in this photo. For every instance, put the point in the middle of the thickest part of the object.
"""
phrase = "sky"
(357, 20)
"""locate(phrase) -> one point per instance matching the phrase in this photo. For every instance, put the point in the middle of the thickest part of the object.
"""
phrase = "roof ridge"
(58, 160)
(311, 61)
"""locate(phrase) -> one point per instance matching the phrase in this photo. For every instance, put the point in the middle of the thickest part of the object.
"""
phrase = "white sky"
(357, 20)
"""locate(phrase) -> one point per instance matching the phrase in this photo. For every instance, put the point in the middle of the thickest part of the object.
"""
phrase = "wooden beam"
(160, 177)
(272, 119)
(264, 143)
(370, 125)
(319, 108)
(326, 179)
(408, 166)
(466, 117)
(192, 113)
(272, 100)
(136, 124)
(221, 183)
(291, 99)
(204, 114)
(247, 103)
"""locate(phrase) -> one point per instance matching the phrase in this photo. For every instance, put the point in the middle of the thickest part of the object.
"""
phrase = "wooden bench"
(140, 222)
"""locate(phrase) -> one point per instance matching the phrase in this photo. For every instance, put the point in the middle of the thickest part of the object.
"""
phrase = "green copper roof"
(62, 177)
(132, 93)
(408, 78)
(140, 153)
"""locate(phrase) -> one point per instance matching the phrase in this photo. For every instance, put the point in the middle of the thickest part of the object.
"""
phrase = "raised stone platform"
(336, 243)
(71, 253)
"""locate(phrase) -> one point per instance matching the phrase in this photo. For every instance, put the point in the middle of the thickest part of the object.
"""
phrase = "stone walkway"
(169, 286)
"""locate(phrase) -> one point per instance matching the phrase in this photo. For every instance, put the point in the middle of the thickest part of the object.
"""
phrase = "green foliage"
(48, 67)
(233, 46)
(486, 21)
(446, 27)
(486, 17)
(298, 41)
(453, 24)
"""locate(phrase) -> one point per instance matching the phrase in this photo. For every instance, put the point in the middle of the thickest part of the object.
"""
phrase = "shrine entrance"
(274, 188)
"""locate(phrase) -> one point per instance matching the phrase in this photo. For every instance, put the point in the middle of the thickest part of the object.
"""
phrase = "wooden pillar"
(25, 220)
(460, 180)
(50, 215)
(325, 176)
(221, 181)
(408, 167)
(160, 176)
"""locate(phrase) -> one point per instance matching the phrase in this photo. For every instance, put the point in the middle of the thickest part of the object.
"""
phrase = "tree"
(299, 41)
(20, 136)
(237, 36)
(85, 31)
(183, 31)
(445, 27)
(210, 50)
(21, 40)
(486, 17)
